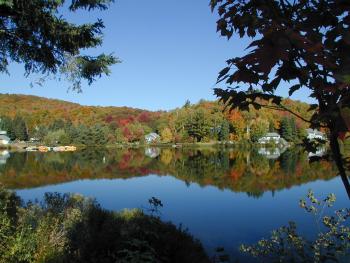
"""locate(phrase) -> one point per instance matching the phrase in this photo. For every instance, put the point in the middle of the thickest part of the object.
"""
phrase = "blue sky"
(170, 52)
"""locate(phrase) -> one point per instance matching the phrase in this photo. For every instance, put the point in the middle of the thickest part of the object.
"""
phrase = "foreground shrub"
(70, 228)
(332, 243)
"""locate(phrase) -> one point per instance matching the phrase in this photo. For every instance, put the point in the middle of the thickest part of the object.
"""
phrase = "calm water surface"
(224, 197)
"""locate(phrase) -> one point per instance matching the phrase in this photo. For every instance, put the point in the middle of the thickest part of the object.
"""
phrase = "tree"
(224, 131)
(40, 132)
(54, 137)
(286, 129)
(258, 129)
(166, 135)
(20, 129)
(302, 44)
(98, 135)
(119, 136)
(197, 125)
(35, 33)
(58, 124)
(6, 124)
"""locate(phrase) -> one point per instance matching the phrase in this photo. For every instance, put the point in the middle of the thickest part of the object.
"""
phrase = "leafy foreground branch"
(70, 228)
(286, 245)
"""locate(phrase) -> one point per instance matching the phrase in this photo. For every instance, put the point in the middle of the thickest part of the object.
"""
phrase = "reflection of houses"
(319, 152)
(4, 155)
(271, 153)
(152, 137)
(3, 138)
(315, 134)
(270, 137)
(152, 152)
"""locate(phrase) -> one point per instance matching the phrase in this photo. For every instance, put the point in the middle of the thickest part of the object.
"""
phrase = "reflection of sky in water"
(216, 217)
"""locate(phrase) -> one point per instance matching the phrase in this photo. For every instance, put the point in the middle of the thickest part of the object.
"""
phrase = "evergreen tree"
(98, 135)
(35, 33)
(224, 131)
(58, 124)
(293, 127)
(20, 129)
(40, 132)
(72, 133)
(6, 124)
(286, 129)
(83, 135)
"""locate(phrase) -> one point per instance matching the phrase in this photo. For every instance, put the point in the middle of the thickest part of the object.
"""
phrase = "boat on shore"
(44, 148)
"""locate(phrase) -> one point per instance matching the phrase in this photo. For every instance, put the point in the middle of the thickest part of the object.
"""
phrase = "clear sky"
(170, 52)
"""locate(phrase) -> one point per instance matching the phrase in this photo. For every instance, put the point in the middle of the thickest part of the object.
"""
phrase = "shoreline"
(22, 146)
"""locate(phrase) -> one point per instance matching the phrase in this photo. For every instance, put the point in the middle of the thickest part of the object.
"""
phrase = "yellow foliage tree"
(166, 135)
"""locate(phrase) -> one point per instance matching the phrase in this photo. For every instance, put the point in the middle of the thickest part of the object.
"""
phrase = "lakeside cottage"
(152, 137)
(270, 137)
(315, 134)
(4, 140)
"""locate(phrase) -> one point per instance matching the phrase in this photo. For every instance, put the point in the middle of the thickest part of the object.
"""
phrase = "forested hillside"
(55, 121)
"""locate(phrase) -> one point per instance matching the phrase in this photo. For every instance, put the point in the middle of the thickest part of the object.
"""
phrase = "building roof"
(152, 135)
(271, 134)
(314, 131)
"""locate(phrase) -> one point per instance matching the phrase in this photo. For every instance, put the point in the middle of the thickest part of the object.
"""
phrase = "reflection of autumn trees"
(237, 170)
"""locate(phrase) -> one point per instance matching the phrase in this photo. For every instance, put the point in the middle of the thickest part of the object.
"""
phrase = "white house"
(152, 137)
(315, 134)
(3, 138)
(270, 137)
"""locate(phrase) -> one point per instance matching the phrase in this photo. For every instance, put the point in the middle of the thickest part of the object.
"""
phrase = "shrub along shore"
(71, 228)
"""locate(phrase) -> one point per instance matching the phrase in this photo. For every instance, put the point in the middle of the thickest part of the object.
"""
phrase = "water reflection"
(4, 155)
(225, 197)
(239, 171)
(272, 153)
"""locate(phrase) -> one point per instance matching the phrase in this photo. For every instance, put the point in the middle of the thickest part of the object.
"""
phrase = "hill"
(42, 111)
(55, 121)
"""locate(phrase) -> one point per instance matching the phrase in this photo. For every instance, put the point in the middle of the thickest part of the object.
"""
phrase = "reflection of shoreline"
(238, 171)
(4, 155)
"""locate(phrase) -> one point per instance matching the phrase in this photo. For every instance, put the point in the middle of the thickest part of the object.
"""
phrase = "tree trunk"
(339, 161)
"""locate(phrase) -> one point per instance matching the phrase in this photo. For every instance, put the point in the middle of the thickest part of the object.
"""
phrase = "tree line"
(205, 121)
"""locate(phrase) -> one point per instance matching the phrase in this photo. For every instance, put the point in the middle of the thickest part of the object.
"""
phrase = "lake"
(225, 197)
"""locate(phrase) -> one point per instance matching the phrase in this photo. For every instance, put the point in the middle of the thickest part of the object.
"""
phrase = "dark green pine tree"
(98, 135)
(6, 124)
(72, 132)
(224, 131)
(83, 135)
(294, 130)
(20, 129)
(286, 129)
(37, 34)
(57, 125)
